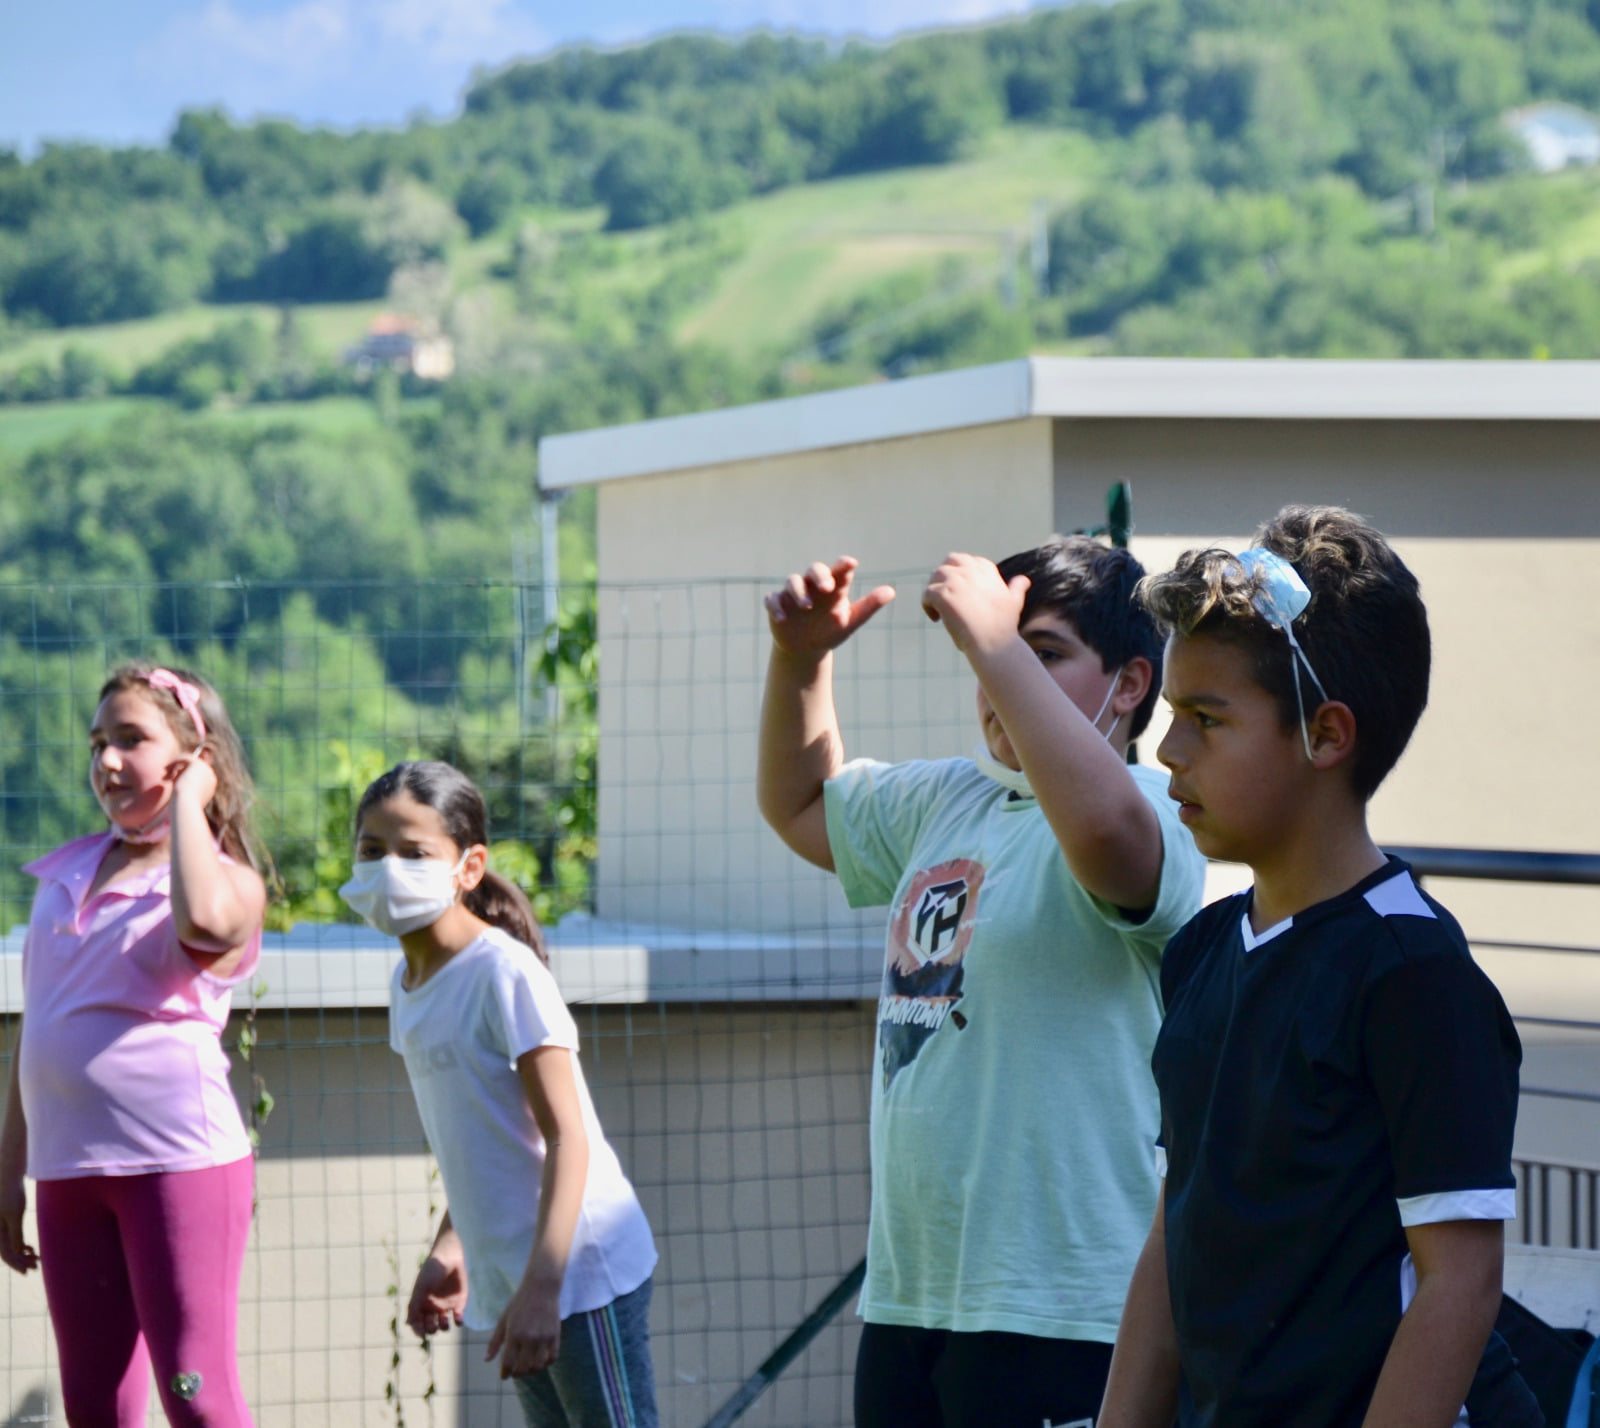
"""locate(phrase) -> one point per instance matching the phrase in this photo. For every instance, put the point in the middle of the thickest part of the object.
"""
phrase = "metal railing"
(1502, 865)
(1556, 1220)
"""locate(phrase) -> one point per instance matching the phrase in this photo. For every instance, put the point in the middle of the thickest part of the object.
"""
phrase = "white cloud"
(863, 17)
(342, 61)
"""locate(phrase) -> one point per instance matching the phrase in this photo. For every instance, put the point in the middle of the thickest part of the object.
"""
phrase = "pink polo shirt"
(122, 1070)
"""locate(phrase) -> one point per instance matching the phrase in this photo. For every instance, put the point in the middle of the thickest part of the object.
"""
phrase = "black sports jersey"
(1311, 1078)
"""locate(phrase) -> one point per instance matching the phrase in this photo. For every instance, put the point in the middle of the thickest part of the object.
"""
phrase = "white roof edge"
(1273, 389)
(881, 411)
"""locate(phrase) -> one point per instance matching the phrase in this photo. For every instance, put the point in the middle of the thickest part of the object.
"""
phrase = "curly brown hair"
(1365, 630)
(230, 811)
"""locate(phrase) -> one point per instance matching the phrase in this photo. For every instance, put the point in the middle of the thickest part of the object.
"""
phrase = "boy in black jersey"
(1338, 1079)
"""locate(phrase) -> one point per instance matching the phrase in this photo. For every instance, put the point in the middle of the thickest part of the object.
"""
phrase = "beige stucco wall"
(744, 1130)
(684, 560)
(1501, 523)
(1500, 520)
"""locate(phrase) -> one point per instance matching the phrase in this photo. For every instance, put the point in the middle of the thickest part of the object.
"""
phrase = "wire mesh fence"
(723, 992)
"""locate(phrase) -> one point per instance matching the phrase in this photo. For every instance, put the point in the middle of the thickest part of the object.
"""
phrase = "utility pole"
(1039, 249)
(550, 576)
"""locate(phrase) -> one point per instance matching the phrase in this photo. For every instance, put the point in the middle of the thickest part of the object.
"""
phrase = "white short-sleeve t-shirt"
(461, 1033)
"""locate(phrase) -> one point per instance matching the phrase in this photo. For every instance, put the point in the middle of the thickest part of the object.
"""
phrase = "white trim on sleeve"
(1458, 1205)
(1161, 1161)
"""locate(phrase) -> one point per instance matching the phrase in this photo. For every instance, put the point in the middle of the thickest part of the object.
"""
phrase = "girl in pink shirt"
(119, 1106)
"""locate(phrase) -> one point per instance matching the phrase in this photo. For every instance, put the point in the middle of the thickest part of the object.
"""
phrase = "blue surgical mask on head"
(1281, 598)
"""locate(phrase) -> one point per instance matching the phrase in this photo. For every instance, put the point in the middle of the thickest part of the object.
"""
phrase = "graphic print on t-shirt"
(928, 938)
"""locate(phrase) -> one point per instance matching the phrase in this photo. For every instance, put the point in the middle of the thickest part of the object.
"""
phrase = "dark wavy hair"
(456, 799)
(1365, 630)
(1092, 585)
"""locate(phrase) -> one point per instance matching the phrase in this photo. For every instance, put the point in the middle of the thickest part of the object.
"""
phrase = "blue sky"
(119, 70)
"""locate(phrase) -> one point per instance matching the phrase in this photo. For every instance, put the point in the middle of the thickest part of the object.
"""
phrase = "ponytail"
(460, 806)
(501, 903)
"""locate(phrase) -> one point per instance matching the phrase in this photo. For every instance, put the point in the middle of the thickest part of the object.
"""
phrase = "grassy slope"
(125, 346)
(775, 264)
(807, 248)
(1579, 240)
(22, 428)
(38, 424)
(789, 255)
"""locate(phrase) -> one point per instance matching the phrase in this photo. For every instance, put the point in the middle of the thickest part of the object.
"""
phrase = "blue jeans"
(603, 1377)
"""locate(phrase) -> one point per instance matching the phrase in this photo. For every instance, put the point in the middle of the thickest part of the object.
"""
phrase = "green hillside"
(606, 237)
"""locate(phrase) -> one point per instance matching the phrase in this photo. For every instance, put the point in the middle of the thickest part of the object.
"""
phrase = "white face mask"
(400, 895)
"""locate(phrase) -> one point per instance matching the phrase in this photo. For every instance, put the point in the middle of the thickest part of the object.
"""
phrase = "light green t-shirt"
(1013, 1111)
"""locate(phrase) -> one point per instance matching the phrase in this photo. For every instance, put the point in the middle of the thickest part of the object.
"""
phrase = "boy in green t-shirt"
(1031, 890)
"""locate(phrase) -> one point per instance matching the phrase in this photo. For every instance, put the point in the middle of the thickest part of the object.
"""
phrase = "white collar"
(1253, 939)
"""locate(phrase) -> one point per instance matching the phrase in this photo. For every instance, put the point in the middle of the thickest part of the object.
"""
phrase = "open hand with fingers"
(528, 1334)
(439, 1297)
(813, 613)
(980, 609)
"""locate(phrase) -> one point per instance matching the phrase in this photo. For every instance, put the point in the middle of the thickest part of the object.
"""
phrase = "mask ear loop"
(1298, 658)
(1106, 704)
(1281, 595)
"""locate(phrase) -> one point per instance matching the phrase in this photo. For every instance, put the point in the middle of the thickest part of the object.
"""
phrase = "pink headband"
(186, 694)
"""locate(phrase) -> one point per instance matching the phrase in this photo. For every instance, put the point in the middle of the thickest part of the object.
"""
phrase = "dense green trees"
(1388, 93)
(1324, 179)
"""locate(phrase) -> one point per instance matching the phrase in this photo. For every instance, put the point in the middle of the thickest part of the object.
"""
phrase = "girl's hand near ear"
(195, 778)
(217, 907)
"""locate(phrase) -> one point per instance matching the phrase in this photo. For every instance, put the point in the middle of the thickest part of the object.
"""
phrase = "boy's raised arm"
(1107, 829)
(801, 747)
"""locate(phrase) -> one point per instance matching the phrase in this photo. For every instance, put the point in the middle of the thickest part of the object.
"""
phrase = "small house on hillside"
(1556, 135)
(398, 343)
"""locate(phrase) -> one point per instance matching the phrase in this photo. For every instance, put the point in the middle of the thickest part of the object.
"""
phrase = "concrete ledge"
(594, 961)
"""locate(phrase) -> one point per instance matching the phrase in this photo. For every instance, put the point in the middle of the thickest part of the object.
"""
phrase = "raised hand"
(439, 1297)
(980, 610)
(195, 777)
(813, 613)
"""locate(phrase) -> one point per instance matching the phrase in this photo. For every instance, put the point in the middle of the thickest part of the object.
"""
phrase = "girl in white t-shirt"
(543, 1242)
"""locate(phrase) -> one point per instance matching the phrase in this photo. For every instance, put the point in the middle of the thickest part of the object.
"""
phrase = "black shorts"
(935, 1378)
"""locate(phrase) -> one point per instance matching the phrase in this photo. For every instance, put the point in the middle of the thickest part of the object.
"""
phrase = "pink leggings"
(142, 1268)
